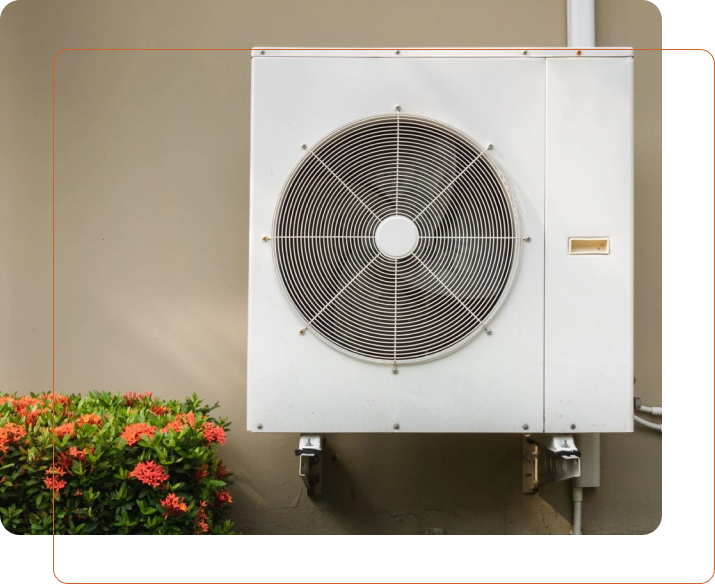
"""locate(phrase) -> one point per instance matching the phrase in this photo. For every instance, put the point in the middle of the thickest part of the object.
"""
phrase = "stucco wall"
(151, 224)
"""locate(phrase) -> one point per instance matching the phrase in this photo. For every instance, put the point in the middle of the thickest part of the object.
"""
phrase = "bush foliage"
(130, 464)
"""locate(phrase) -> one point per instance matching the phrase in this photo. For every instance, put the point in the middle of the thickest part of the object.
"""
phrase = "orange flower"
(77, 453)
(5, 398)
(158, 410)
(9, 434)
(149, 473)
(214, 433)
(200, 524)
(53, 480)
(201, 473)
(221, 470)
(64, 429)
(223, 497)
(186, 419)
(132, 398)
(175, 425)
(173, 505)
(133, 433)
(93, 419)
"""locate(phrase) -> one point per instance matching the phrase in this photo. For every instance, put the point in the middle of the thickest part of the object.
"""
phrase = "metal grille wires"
(396, 238)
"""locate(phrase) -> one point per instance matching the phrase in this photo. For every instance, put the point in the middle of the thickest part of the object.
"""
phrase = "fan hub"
(396, 237)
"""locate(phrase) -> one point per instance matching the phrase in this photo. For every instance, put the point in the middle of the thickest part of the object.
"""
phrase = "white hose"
(648, 424)
(577, 497)
(653, 410)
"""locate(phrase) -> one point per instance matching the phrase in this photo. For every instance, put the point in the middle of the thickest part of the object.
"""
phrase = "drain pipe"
(581, 23)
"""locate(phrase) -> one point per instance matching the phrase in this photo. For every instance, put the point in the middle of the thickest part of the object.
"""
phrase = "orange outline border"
(53, 219)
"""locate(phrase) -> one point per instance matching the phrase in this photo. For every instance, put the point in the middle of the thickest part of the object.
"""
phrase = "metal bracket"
(310, 462)
(547, 458)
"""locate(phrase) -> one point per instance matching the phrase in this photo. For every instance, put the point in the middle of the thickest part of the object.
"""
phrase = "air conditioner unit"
(441, 241)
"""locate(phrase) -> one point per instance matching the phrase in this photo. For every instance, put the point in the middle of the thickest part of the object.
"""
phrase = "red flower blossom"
(9, 434)
(221, 470)
(64, 429)
(78, 493)
(133, 433)
(173, 505)
(200, 524)
(174, 425)
(132, 398)
(53, 480)
(201, 473)
(77, 453)
(187, 419)
(214, 433)
(5, 398)
(55, 484)
(223, 497)
(158, 410)
(93, 419)
(150, 474)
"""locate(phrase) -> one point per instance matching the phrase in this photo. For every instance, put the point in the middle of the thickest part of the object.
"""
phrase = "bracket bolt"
(525, 426)
(260, 426)
(573, 426)
(396, 426)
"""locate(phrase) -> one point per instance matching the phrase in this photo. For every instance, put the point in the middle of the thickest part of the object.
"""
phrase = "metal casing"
(561, 349)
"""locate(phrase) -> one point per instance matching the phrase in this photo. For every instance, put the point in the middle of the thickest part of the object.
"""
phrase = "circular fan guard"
(373, 305)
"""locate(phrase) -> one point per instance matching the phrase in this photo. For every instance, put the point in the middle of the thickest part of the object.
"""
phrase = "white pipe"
(581, 23)
(577, 498)
(648, 424)
(653, 410)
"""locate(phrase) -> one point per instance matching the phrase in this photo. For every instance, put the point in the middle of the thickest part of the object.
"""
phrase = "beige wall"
(151, 207)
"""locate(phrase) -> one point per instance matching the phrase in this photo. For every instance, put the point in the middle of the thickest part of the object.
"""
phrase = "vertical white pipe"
(577, 497)
(581, 23)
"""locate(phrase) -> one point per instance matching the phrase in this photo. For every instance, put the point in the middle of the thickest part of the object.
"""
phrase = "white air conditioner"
(441, 241)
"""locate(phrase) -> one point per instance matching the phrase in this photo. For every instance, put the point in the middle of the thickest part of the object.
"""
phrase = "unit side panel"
(588, 352)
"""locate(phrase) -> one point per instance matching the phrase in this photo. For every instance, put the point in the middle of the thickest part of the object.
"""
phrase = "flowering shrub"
(130, 464)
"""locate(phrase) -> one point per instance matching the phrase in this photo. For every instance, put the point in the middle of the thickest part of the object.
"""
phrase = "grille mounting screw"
(488, 330)
(263, 52)
(525, 53)
(527, 238)
(302, 331)
(490, 147)
(265, 238)
(398, 108)
(304, 146)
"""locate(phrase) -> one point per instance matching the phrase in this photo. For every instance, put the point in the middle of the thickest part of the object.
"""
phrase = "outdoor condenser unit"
(441, 241)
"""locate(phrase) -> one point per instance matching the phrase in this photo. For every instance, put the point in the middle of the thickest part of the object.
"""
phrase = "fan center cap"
(396, 236)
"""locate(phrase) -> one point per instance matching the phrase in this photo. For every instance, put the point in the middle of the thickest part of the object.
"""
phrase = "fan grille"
(339, 278)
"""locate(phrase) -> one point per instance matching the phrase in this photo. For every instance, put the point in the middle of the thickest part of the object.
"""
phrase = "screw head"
(527, 238)
(304, 146)
(578, 52)
(265, 238)
(490, 147)
(260, 426)
(525, 53)
(525, 426)
(302, 331)
(263, 52)
(573, 426)
(488, 331)
(398, 108)
(396, 426)
(397, 52)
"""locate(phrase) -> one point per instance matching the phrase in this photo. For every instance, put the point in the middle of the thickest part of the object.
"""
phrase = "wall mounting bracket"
(310, 462)
(547, 458)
